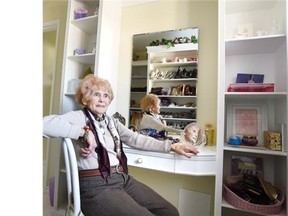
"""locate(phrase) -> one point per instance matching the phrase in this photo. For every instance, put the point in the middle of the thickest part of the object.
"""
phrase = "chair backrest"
(73, 189)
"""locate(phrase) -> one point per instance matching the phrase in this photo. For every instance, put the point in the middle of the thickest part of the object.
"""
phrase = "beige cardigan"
(70, 124)
(149, 121)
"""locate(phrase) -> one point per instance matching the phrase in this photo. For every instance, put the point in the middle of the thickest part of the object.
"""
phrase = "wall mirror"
(166, 63)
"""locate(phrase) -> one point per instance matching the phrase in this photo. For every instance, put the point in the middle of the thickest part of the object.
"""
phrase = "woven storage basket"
(238, 202)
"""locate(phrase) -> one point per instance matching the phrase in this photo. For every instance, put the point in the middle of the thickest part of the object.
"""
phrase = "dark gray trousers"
(121, 195)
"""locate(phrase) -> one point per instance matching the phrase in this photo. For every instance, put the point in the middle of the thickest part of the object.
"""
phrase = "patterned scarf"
(103, 159)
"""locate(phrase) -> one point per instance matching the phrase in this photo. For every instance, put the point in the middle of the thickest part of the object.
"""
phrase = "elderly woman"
(151, 118)
(106, 188)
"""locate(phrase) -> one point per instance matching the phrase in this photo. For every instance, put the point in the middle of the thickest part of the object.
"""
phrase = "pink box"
(248, 87)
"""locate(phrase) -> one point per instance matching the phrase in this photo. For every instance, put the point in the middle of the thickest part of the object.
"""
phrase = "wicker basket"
(238, 202)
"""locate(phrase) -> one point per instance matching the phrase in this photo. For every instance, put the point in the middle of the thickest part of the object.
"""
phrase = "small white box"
(73, 84)
(246, 30)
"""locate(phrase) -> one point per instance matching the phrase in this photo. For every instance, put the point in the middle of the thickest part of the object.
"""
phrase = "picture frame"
(249, 119)
(246, 165)
(249, 78)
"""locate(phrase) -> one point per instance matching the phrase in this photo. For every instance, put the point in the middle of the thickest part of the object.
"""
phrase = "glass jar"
(209, 131)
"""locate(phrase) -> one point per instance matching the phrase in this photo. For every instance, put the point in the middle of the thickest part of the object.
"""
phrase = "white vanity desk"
(203, 164)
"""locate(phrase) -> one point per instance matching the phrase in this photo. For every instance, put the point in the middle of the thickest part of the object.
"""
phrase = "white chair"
(73, 189)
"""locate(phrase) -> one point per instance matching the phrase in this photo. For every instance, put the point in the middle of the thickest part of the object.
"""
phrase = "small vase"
(249, 140)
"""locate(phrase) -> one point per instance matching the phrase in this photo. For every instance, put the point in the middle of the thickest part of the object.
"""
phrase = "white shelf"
(253, 149)
(173, 96)
(139, 63)
(179, 108)
(256, 95)
(179, 119)
(88, 58)
(139, 77)
(69, 94)
(137, 92)
(87, 24)
(173, 80)
(177, 47)
(135, 108)
(254, 45)
(174, 64)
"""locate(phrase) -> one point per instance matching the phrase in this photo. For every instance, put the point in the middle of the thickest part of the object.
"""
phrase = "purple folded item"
(80, 13)
(79, 51)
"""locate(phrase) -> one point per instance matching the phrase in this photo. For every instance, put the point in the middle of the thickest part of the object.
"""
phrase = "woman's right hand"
(90, 145)
(183, 149)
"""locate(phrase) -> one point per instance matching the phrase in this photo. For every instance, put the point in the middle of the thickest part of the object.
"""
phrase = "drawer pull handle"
(139, 160)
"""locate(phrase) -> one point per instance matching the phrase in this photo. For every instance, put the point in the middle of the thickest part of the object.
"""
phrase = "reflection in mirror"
(141, 41)
(194, 135)
(141, 74)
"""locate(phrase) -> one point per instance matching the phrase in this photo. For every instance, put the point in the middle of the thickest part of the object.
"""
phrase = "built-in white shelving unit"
(251, 45)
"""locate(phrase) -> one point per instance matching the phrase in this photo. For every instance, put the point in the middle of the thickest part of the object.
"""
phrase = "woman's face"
(156, 109)
(99, 102)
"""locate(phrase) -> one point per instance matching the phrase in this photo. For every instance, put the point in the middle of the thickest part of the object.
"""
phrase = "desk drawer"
(198, 166)
(165, 164)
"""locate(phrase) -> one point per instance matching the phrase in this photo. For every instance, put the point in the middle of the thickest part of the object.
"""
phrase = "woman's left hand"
(184, 149)
(90, 145)
(86, 152)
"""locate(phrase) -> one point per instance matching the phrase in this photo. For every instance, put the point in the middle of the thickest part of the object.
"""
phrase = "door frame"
(47, 27)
